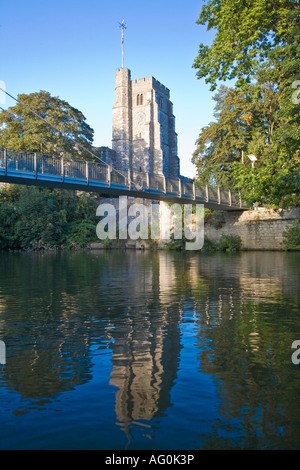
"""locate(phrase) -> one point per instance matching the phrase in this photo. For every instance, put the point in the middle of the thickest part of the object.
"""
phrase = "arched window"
(139, 100)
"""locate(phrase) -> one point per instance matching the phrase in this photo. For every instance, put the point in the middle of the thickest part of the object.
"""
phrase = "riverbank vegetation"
(292, 238)
(34, 218)
(226, 243)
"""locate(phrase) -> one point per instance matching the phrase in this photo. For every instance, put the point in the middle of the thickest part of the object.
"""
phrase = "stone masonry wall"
(259, 229)
(144, 134)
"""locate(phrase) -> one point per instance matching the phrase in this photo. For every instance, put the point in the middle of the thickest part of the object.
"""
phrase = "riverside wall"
(258, 229)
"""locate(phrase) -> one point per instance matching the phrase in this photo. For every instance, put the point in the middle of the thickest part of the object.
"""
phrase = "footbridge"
(30, 168)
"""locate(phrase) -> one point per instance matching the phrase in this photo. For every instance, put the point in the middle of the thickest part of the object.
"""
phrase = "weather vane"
(122, 26)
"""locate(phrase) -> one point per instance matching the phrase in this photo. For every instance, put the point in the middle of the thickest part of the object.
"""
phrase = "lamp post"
(253, 159)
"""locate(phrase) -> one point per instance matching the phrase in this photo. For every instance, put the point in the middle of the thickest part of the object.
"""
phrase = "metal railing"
(173, 185)
(49, 167)
(157, 182)
(139, 179)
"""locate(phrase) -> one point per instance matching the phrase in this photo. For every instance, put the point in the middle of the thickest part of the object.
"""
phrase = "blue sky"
(73, 48)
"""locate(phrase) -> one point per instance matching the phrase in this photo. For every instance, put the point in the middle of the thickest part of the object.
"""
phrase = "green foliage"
(214, 218)
(226, 243)
(8, 218)
(258, 44)
(221, 142)
(275, 178)
(56, 112)
(107, 243)
(208, 246)
(246, 32)
(271, 183)
(292, 237)
(177, 244)
(81, 233)
(229, 243)
(39, 218)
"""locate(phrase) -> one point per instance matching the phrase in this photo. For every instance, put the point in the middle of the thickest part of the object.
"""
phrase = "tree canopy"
(41, 218)
(257, 45)
(61, 126)
(247, 32)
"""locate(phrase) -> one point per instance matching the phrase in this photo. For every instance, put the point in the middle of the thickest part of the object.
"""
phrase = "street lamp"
(253, 159)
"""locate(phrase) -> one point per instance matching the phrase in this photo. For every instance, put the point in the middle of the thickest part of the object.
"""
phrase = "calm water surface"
(137, 350)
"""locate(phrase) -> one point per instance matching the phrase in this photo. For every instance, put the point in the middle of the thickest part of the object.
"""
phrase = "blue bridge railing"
(30, 166)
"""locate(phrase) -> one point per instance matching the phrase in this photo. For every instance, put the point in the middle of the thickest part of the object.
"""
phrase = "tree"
(247, 32)
(222, 142)
(33, 217)
(257, 44)
(22, 129)
(245, 122)
(41, 218)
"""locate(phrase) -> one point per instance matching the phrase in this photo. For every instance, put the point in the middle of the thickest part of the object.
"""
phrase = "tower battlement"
(160, 87)
(120, 69)
(140, 80)
(152, 83)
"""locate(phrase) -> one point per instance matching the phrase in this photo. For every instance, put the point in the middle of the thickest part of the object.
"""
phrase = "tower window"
(139, 100)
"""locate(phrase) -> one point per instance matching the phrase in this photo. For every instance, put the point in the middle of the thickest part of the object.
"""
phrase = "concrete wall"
(259, 229)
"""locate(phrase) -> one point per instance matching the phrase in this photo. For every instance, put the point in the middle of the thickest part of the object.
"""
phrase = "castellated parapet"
(144, 134)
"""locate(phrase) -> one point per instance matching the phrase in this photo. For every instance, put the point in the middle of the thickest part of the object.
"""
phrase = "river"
(149, 350)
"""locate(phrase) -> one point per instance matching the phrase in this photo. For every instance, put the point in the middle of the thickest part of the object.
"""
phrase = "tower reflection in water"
(147, 345)
(137, 315)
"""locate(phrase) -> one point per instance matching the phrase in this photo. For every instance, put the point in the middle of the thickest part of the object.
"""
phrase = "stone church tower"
(143, 135)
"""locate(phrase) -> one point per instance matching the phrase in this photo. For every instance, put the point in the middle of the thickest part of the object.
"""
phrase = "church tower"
(144, 136)
(122, 133)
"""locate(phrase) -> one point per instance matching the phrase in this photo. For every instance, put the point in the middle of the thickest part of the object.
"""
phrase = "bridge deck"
(27, 168)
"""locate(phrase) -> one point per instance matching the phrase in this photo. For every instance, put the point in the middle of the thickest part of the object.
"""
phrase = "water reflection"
(164, 320)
